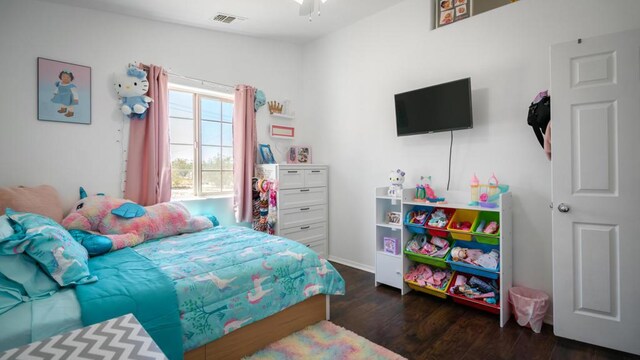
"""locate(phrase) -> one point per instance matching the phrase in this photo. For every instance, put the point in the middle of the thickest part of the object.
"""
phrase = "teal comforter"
(226, 278)
(130, 283)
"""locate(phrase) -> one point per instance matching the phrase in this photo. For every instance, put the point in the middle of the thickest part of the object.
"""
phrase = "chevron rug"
(324, 340)
(119, 338)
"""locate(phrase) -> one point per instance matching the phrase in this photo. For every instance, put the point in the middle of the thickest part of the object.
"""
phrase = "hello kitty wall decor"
(131, 88)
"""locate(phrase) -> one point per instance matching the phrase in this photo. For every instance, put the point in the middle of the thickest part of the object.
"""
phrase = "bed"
(221, 293)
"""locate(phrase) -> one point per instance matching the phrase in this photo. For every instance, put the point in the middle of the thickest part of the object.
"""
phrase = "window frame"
(198, 94)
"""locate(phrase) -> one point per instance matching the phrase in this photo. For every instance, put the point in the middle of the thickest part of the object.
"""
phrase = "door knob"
(563, 208)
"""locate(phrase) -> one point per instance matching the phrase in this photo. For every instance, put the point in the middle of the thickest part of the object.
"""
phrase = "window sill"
(204, 197)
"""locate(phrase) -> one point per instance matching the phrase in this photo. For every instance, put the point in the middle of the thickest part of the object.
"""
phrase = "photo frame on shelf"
(303, 154)
(394, 218)
(266, 155)
(64, 92)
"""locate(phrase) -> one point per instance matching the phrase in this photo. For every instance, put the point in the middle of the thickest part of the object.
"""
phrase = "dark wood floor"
(419, 326)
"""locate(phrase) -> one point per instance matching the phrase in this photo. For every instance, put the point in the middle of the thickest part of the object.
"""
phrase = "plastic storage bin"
(462, 215)
(491, 239)
(441, 293)
(417, 228)
(426, 259)
(436, 231)
(529, 306)
(474, 303)
(473, 269)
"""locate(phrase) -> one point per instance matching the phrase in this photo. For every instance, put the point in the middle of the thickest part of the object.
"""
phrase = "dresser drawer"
(290, 179)
(297, 217)
(306, 234)
(389, 270)
(314, 178)
(319, 247)
(300, 198)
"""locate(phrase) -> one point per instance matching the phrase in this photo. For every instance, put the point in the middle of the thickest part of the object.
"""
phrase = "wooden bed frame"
(253, 337)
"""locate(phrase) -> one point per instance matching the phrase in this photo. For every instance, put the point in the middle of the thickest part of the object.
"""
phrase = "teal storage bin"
(473, 269)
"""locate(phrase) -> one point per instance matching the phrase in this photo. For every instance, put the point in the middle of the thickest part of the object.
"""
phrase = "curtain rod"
(170, 72)
(200, 80)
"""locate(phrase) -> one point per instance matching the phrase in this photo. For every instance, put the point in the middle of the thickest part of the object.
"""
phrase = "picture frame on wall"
(64, 92)
(266, 155)
(450, 11)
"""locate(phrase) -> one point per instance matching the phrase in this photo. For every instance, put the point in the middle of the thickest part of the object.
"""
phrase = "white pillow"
(5, 228)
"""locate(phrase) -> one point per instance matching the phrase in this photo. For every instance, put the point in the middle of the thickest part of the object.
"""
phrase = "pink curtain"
(148, 179)
(244, 150)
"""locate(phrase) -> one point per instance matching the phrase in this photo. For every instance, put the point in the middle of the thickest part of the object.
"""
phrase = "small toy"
(492, 228)
(421, 195)
(487, 194)
(418, 217)
(438, 219)
(416, 242)
(475, 184)
(397, 179)
(425, 276)
(462, 225)
(394, 217)
(391, 245)
(131, 88)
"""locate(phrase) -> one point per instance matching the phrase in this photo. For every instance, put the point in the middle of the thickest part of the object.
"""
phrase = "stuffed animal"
(131, 88)
(124, 223)
(397, 179)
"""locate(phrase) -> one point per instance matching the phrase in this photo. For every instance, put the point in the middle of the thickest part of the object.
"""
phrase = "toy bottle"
(475, 185)
(493, 185)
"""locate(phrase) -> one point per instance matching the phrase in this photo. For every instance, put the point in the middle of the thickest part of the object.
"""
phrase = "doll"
(66, 93)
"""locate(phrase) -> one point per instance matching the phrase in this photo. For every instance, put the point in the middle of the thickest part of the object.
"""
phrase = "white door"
(595, 96)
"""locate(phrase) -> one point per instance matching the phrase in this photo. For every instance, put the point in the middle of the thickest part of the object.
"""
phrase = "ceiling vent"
(227, 19)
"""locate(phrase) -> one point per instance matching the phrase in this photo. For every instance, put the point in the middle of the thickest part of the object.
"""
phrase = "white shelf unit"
(388, 265)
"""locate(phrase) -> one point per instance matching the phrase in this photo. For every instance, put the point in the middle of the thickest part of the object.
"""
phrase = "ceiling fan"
(308, 7)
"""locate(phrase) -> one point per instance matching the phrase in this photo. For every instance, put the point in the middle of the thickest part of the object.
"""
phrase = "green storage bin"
(429, 260)
(491, 239)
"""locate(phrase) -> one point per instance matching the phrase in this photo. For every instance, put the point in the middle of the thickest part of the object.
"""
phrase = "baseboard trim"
(352, 264)
(548, 319)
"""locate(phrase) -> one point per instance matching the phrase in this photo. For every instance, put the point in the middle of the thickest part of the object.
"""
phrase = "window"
(201, 139)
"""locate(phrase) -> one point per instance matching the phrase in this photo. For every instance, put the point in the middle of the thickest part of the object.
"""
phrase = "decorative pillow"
(52, 246)
(25, 271)
(43, 200)
(5, 228)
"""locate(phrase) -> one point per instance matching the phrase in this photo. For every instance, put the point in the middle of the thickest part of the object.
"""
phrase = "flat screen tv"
(435, 108)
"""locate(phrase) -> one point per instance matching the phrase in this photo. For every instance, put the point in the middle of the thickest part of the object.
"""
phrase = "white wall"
(69, 155)
(353, 74)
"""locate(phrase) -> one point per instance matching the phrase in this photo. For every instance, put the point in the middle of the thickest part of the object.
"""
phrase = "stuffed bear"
(124, 223)
(131, 89)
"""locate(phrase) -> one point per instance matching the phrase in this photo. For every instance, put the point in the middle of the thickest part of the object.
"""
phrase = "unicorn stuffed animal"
(124, 223)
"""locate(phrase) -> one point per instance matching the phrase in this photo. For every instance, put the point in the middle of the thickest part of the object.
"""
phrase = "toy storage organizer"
(391, 268)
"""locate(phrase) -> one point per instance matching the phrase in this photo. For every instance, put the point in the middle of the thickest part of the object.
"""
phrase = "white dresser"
(302, 203)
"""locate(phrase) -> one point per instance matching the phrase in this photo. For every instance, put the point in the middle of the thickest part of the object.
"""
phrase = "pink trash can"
(529, 306)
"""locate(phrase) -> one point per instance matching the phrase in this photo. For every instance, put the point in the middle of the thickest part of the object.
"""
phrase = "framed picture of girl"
(64, 92)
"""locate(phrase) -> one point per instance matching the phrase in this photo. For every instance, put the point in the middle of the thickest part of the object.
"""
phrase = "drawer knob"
(304, 209)
(397, 272)
(304, 190)
(305, 227)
